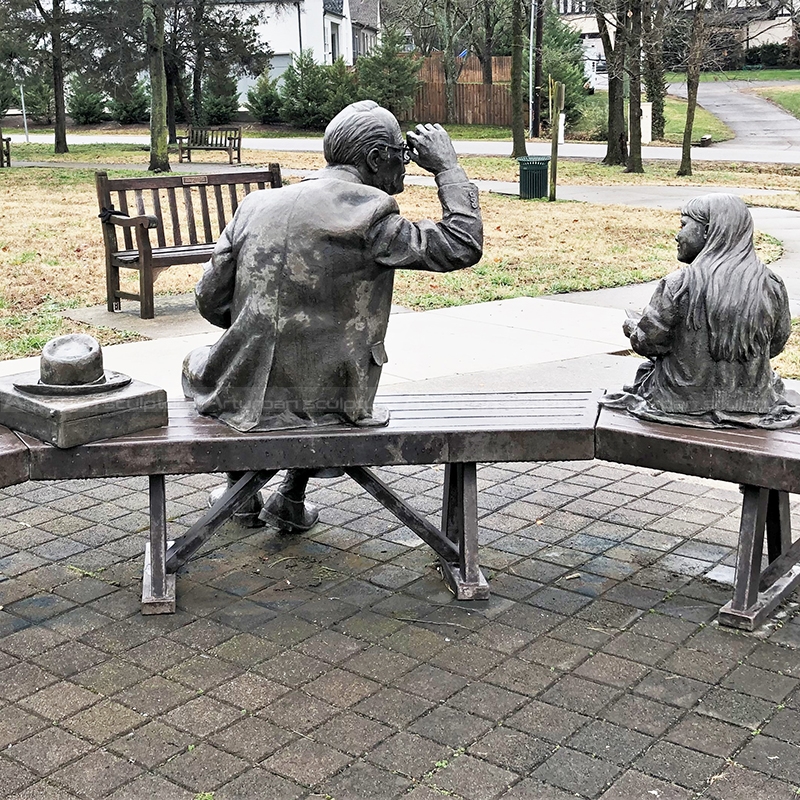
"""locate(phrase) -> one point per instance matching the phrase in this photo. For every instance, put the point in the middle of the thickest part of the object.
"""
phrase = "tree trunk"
(635, 96)
(617, 147)
(171, 122)
(653, 43)
(153, 20)
(199, 62)
(488, 43)
(541, 9)
(696, 43)
(58, 79)
(519, 148)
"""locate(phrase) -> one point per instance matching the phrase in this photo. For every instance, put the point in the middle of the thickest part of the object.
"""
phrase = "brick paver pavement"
(336, 664)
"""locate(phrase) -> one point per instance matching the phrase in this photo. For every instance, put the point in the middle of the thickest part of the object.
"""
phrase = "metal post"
(530, 70)
(24, 115)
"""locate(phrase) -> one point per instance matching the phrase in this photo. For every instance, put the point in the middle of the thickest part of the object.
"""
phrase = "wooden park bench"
(5, 150)
(228, 140)
(766, 464)
(166, 220)
(454, 430)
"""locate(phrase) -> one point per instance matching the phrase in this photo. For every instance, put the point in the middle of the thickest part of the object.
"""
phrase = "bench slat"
(139, 202)
(122, 205)
(221, 222)
(173, 213)
(234, 201)
(162, 241)
(188, 207)
(208, 236)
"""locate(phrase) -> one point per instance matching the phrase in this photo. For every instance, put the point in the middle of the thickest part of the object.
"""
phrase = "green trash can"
(533, 176)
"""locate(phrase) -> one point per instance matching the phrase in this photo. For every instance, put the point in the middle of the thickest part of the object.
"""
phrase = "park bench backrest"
(213, 137)
(190, 209)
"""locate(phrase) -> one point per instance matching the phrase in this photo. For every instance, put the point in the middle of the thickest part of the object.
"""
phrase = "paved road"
(757, 123)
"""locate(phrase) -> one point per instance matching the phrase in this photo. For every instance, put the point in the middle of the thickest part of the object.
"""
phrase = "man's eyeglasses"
(402, 149)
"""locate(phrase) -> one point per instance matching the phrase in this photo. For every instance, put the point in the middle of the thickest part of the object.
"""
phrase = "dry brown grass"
(789, 200)
(51, 253)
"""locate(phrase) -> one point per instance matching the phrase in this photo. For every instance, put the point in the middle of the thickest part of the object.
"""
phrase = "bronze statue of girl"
(711, 328)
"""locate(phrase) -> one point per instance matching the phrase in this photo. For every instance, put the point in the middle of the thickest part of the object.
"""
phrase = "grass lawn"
(740, 75)
(675, 119)
(787, 97)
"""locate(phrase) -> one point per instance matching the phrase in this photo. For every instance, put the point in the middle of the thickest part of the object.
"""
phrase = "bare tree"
(653, 12)
(634, 47)
(697, 43)
(611, 18)
(519, 147)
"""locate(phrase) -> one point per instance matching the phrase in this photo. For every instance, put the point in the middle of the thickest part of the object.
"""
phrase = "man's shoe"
(292, 516)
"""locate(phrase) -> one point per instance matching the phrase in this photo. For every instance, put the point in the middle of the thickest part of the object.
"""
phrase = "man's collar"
(339, 172)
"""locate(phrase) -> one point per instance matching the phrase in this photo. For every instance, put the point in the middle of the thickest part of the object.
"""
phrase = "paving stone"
(674, 689)
(734, 707)
(41, 790)
(707, 667)
(104, 721)
(13, 778)
(472, 778)
(724, 642)
(249, 691)
(535, 790)
(410, 754)
(450, 727)
(256, 784)
(546, 721)
(252, 738)
(709, 735)
(677, 764)
(660, 626)
(577, 772)
(306, 762)
(298, 711)
(611, 670)
(577, 694)
(151, 786)
(642, 649)
(152, 744)
(331, 647)
(736, 783)
(415, 641)
(512, 750)
(47, 750)
(785, 725)
(521, 677)
(610, 742)
(154, 696)
(634, 785)
(60, 700)
(110, 676)
(553, 653)
(97, 774)
(760, 683)
(432, 683)
(641, 714)
(352, 733)
(70, 658)
(362, 781)
(501, 637)
(292, 668)
(393, 707)
(773, 757)
(203, 768)
(381, 664)
(16, 724)
(201, 716)
(485, 700)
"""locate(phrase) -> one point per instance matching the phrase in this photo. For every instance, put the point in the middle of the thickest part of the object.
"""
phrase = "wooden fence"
(476, 103)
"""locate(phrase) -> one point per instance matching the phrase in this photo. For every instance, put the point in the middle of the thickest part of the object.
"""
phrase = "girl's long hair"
(728, 287)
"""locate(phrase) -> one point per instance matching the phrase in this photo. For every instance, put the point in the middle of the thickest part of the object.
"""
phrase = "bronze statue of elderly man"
(301, 281)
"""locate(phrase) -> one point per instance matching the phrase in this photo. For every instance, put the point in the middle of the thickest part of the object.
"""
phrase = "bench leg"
(147, 306)
(158, 588)
(755, 593)
(460, 525)
(113, 302)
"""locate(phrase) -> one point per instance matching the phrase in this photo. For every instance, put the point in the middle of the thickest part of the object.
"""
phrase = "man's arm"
(455, 242)
(214, 290)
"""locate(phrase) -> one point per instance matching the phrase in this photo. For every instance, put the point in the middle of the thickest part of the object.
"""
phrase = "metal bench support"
(756, 593)
(158, 588)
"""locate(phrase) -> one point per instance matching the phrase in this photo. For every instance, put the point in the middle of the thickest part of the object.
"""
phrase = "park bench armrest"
(144, 221)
